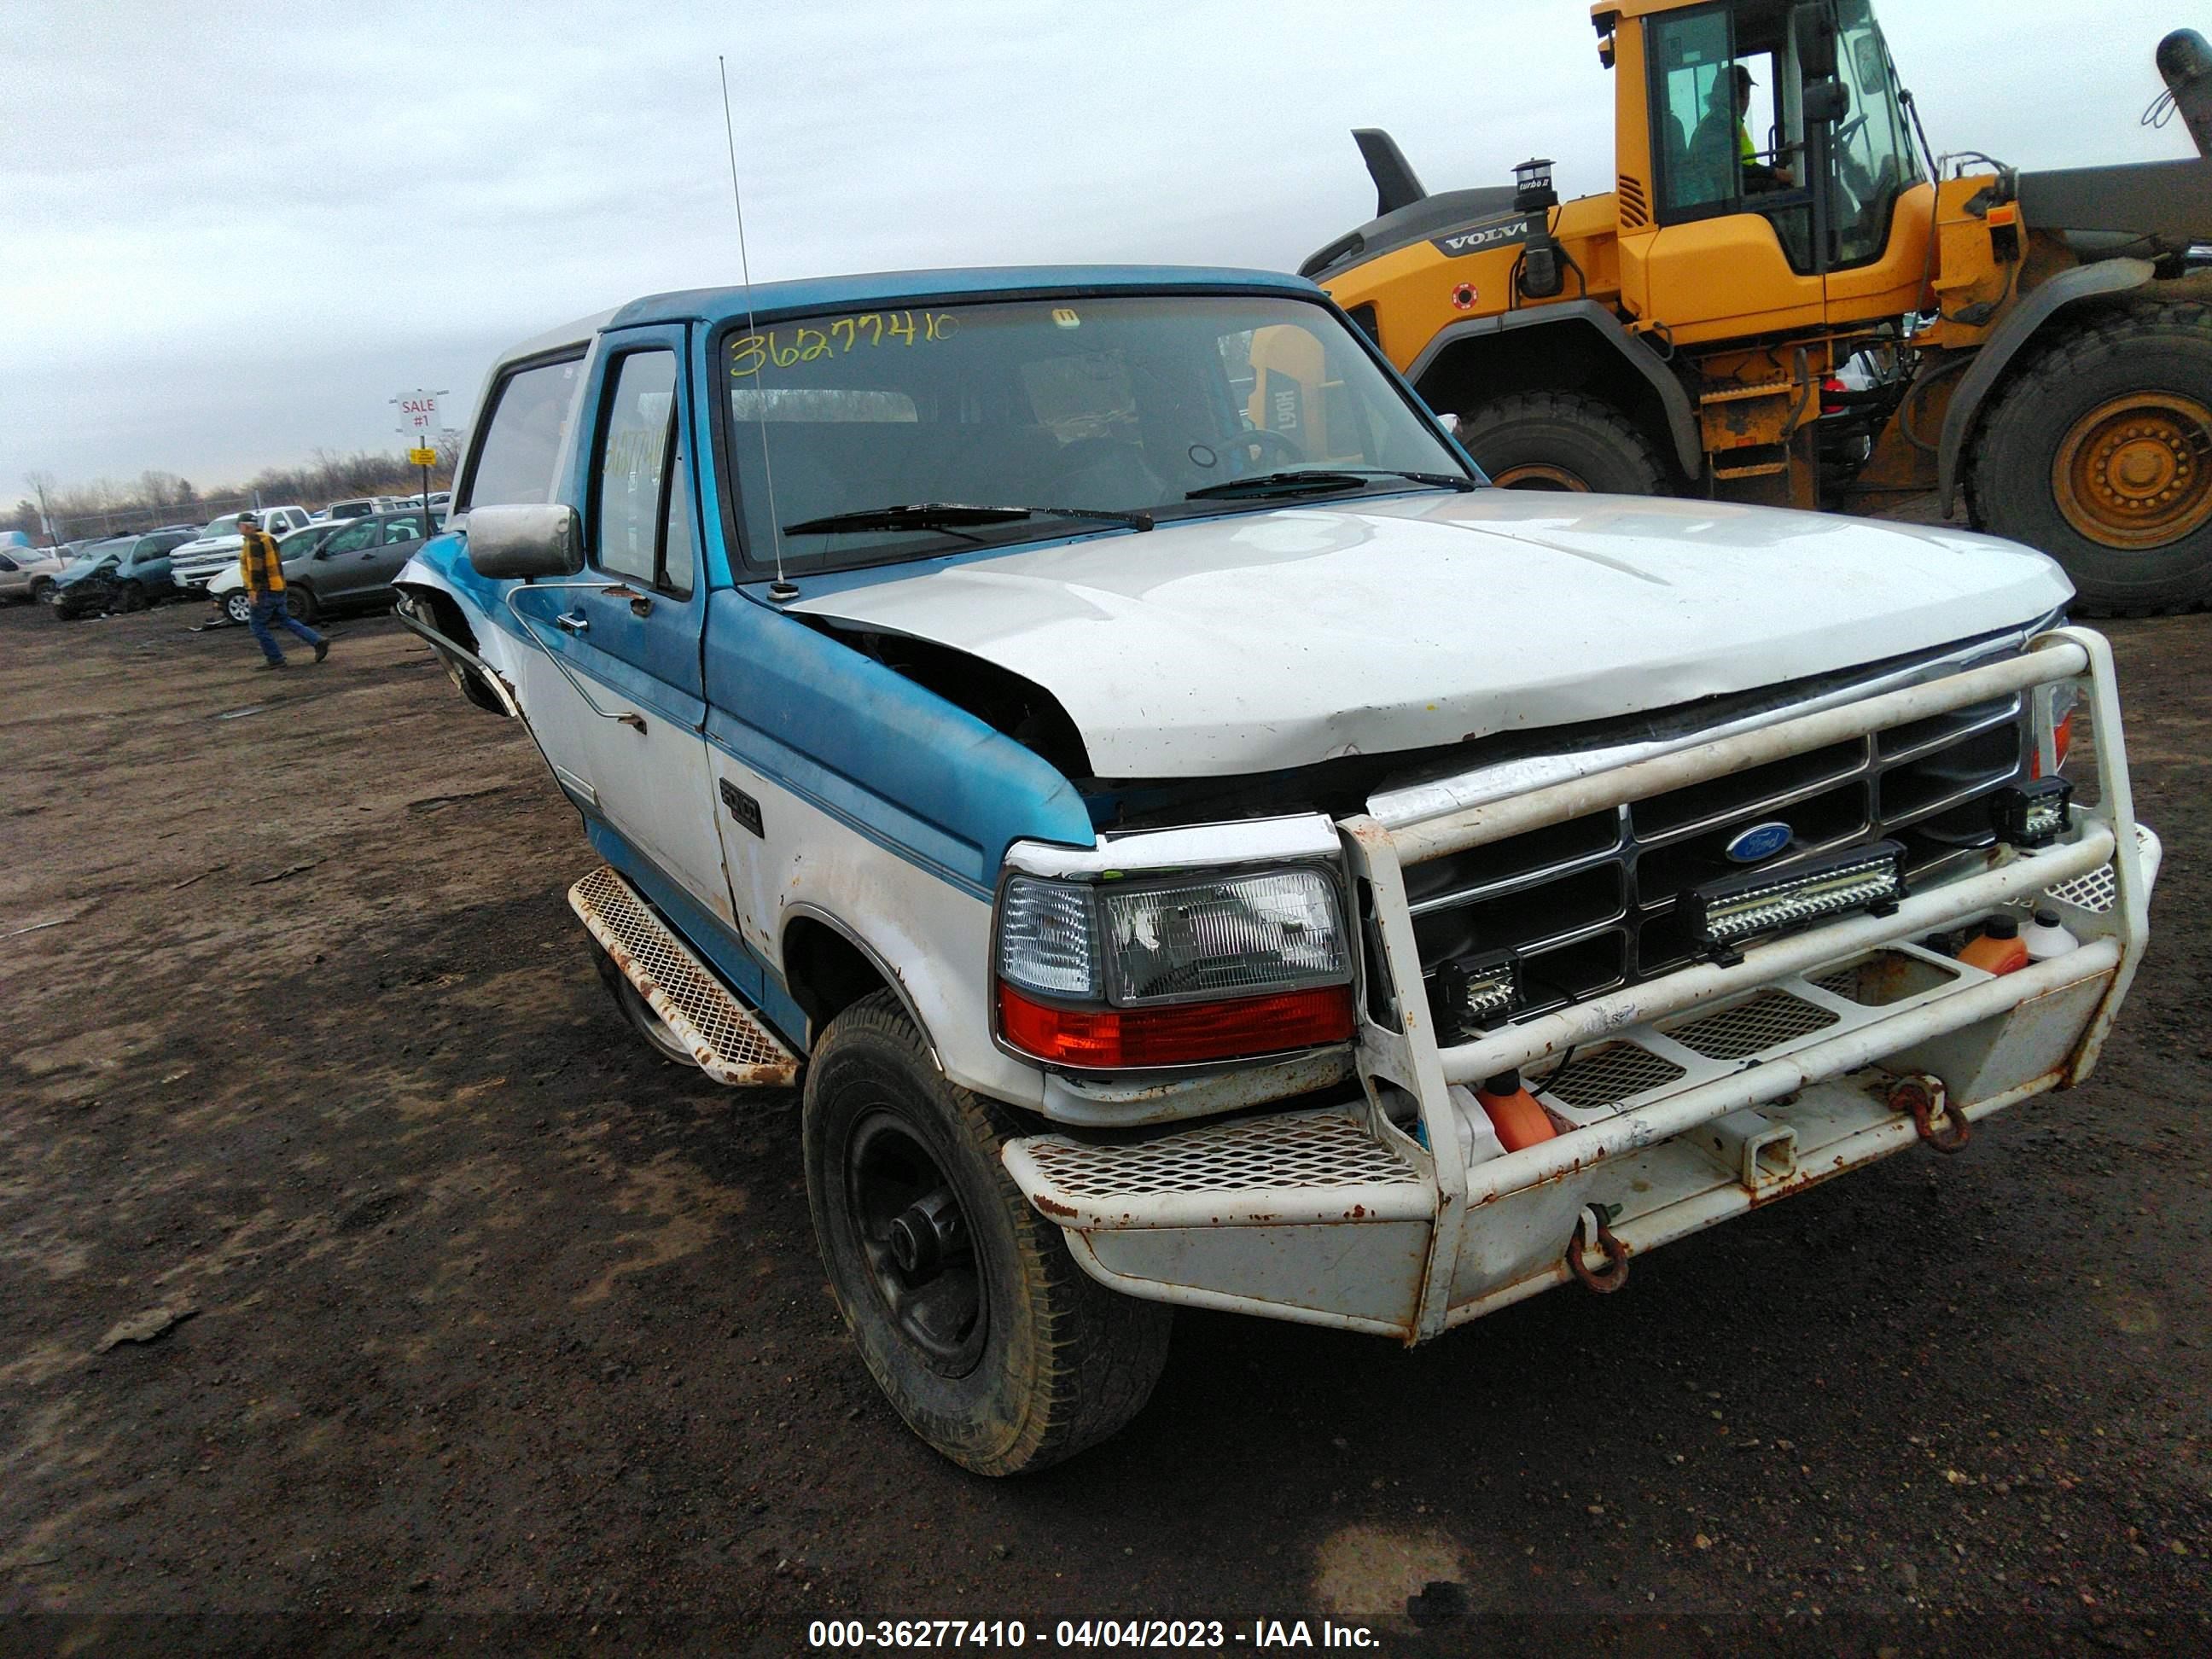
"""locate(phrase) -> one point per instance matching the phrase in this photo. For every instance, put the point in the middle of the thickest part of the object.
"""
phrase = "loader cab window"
(1727, 122)
(1872, 150)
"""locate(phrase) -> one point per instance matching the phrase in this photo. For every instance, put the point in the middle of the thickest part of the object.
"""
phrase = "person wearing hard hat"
(265, 587)
(1723, 129)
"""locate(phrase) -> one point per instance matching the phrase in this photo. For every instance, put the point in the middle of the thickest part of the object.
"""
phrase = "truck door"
(629, 629)
(1732, 245)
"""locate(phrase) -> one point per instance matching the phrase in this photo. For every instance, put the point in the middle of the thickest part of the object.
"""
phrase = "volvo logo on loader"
(1761, 841)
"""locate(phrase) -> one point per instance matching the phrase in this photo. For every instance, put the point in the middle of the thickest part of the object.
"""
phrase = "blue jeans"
(268, 608)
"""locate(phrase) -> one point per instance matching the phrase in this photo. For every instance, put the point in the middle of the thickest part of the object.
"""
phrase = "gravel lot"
(504, 1335)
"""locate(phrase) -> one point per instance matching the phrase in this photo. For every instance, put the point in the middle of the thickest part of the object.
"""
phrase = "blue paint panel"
(928, 781)
(727, 954)
(770, 299)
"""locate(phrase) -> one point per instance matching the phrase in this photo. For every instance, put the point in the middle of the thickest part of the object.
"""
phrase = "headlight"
(1173, 971)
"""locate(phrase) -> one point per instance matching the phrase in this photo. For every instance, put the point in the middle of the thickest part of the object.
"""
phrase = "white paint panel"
(935, 936)
(1273, 640)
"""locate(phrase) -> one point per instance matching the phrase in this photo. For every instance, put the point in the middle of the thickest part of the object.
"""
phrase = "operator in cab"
(1722, 131)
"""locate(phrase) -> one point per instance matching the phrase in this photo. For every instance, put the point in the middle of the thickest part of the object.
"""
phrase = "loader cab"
(1773, 127)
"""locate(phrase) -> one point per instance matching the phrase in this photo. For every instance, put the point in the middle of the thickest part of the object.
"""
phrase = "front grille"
(1590, 904)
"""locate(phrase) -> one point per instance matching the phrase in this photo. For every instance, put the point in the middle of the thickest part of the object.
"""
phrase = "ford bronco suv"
(1199, 846)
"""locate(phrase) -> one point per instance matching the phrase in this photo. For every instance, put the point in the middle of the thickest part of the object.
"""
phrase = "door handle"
(573, 622)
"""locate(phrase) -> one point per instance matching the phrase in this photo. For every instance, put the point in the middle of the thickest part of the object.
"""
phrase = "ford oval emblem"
(1761, 841)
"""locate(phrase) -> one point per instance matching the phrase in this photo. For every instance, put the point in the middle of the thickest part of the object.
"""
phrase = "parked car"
(217, 576)
(1237, 858)
(218, 544)
(361, 506)
(88, 587)
(29, 573)
(343, 565)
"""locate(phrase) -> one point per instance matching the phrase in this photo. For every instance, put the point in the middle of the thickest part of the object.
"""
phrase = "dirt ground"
(504, 1335)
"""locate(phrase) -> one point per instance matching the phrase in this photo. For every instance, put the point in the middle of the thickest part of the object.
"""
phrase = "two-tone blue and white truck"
(1198, 844)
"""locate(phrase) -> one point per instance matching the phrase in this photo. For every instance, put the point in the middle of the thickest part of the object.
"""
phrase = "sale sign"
(418, 411)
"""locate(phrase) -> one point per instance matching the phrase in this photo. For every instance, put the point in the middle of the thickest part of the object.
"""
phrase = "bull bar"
(1421, 1237)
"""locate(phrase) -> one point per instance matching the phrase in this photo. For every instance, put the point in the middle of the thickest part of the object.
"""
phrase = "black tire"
(299, 601)
(42, 591)
(237, 605)
(2033, 472)
(1561, 441)
(1003, 1355)
(637, 1011)
(130, 597)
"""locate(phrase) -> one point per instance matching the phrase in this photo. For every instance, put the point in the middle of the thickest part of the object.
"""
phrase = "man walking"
(265, 587)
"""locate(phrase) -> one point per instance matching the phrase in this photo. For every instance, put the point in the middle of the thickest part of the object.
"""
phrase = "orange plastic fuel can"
(2000, 950)
(1513, 1112)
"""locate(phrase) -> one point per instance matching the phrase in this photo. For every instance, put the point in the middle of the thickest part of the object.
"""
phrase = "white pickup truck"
(1200, 846)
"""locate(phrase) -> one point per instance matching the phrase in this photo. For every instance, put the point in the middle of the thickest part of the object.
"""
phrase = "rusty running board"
(725, 1036)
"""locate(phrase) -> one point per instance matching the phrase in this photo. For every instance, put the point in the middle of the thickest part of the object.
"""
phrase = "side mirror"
(529, 540)
(1827, 102)
(1449, 422)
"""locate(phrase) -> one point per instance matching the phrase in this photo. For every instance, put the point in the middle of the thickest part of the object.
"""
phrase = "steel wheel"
(907, 1225)
(2136, 470)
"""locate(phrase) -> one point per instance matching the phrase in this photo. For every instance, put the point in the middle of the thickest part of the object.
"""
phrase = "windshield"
(1111, 404)
(225, 526)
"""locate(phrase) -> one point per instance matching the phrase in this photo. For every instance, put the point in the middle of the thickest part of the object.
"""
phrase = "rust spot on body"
(1052, 1207)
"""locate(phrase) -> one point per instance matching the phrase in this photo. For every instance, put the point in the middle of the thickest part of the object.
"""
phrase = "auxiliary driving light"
(1475, 992)
(2033, 814)
(1721, 915)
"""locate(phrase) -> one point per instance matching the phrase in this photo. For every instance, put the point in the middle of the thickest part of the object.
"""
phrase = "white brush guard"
(1685, 1100)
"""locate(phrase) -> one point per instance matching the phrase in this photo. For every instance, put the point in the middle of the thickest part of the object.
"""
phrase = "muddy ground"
(505, 1335)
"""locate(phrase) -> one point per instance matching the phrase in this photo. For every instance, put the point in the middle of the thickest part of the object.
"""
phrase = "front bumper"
(1682, 1100)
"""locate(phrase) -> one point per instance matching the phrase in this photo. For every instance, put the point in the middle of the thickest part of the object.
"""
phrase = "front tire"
(300, 601)
(968, 1311)
(2099, 453)
(238, 605)
(1559, 440)
(42, 591)
(130, 597)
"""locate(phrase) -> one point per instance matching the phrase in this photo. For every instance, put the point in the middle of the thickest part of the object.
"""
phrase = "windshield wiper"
(951, 515)
(1315, 481)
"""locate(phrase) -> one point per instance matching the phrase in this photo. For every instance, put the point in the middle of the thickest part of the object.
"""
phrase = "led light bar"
(1721, 915)
(1474, 992)
(2032, 815)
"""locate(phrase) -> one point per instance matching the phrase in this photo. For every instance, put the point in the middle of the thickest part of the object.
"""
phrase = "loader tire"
(1560, 441)
(2099, 454)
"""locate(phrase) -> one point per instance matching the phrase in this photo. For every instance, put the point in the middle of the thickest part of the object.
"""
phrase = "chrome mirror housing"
(525, 540)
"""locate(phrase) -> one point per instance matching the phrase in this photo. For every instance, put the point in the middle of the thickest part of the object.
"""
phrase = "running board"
(725, 1036)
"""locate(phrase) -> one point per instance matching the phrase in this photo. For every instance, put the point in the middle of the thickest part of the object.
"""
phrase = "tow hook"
(1593, 1227)
(1926, 1098)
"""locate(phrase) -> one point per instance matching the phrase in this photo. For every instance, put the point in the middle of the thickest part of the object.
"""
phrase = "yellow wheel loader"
(1787, 298)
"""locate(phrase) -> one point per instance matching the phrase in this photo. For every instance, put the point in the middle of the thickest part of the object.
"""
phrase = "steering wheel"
(1844, 133)
(1283, 446)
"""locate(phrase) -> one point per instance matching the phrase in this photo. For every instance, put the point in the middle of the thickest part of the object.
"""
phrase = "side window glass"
(514, 459)
(351, 541)
(1693, 112)
(633, 464)
(676, 557)
(403, 530)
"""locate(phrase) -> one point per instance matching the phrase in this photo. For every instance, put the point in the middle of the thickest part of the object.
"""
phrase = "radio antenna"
(780, 590)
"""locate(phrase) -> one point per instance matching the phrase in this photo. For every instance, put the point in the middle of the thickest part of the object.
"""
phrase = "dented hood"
(1278, 639)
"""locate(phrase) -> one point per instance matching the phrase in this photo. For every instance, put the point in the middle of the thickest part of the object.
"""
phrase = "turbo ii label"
(1477, 237)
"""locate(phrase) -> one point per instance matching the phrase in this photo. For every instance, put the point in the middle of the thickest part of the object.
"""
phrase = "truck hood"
(1273, 640)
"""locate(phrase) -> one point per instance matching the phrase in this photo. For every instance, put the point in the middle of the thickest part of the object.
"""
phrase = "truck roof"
(715, 304)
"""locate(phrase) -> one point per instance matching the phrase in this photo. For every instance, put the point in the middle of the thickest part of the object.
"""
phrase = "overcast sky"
(230, 233)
